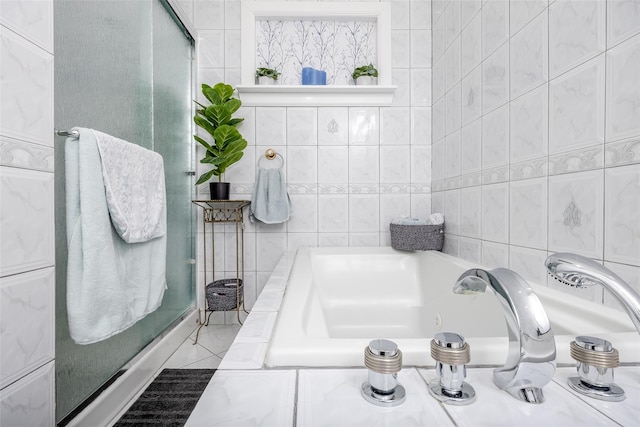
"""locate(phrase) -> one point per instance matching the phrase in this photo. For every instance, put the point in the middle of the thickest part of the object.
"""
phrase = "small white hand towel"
(270, 202)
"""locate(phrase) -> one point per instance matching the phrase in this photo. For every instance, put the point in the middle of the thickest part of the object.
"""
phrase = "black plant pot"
(219, 190)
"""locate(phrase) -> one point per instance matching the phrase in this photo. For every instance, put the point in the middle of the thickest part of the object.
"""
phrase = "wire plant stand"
(215, 212)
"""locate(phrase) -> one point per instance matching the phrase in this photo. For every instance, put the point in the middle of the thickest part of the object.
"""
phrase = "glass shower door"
(124, 68)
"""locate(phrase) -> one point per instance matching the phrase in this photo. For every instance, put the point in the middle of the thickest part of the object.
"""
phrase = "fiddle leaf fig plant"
(217, 119)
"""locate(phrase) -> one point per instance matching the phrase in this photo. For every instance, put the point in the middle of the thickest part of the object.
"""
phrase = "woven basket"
(417, 237)
(224, 295)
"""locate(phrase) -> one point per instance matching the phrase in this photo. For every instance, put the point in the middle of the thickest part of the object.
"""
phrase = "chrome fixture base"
(384, 360)
(611, 393)
(596, 359)
(451, 354)
(387, 400)
(465, 396)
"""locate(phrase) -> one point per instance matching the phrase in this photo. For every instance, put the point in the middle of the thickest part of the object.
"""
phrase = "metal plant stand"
(222, 211)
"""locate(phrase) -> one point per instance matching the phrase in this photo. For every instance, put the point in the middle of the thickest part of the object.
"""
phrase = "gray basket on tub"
(224, 295)
(409, 237)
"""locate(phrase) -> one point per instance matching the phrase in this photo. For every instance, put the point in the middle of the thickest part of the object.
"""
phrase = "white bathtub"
(338, 299)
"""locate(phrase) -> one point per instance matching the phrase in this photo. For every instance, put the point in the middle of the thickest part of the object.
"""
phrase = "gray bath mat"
(169, 399)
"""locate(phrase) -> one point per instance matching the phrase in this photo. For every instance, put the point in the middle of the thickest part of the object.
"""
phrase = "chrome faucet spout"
(581, 272)
(532, 350)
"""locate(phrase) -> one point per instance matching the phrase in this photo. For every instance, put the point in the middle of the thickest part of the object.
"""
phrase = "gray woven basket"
(223, 295)
(417, 237)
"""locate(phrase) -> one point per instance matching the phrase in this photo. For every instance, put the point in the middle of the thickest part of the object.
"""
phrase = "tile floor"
(213, 343)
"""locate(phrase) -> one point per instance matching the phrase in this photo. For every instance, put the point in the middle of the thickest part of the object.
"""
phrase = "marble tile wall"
(27, 284)
(350, 170)
(536, 132)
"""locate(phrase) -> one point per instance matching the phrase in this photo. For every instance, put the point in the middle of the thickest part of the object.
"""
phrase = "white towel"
(270, 202)
(134, 184)
(111, 284)
(436, 219)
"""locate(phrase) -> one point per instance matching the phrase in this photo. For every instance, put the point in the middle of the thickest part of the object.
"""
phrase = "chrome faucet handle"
(596, 359)
(384, 360)
(451, 354)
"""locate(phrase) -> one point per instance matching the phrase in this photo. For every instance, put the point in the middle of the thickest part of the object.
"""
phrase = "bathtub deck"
(331, 397)
(244, 393)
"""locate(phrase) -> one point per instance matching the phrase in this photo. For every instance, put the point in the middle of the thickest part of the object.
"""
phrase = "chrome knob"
(596, 359)
(384, 360)
(451, 354)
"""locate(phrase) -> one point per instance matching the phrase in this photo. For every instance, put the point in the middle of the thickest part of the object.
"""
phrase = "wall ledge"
(322, 96)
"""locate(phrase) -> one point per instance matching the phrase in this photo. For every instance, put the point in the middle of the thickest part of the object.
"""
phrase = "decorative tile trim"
(576, 161)
(238, 188)
(26, 156)
(471, 180)
(495, 175)
(452, 183)
(333, 189)
(622, 152)
(395, 188)
(246, 189)
(420, 188)
(530, 169)
(302, 188)
(437, 185)
(364, 188)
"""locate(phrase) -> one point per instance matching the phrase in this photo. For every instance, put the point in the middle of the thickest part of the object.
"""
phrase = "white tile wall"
(27, 306)
(27, 89)
(623, 68)
(27, 334)
(27, 220)
(576, 33)
(623, 20)
(349, 169)
(553, 161)
(30, 401)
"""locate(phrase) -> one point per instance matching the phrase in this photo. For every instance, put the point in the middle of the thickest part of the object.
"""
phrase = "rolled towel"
(436, 219)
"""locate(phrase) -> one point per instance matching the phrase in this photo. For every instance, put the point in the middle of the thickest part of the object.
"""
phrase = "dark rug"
(169, 399)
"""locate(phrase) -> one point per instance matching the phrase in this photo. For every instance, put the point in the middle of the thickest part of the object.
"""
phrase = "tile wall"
(350, 170)
(536, 132)
(27, 284)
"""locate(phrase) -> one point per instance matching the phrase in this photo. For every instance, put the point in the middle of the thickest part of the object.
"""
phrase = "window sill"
(320, 96)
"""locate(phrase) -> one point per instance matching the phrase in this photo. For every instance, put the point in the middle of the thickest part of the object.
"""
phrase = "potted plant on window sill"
(365, 75)
(267, 76)
(228, 144)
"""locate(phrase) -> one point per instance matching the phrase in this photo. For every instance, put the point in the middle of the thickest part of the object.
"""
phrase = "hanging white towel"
(134, 185)
(111, 284)
(270, 202)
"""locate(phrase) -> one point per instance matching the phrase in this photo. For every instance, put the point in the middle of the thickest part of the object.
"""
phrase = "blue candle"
(311, 76)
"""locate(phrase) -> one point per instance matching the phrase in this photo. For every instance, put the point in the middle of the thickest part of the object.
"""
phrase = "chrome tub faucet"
(581, 272)
(532, 350)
